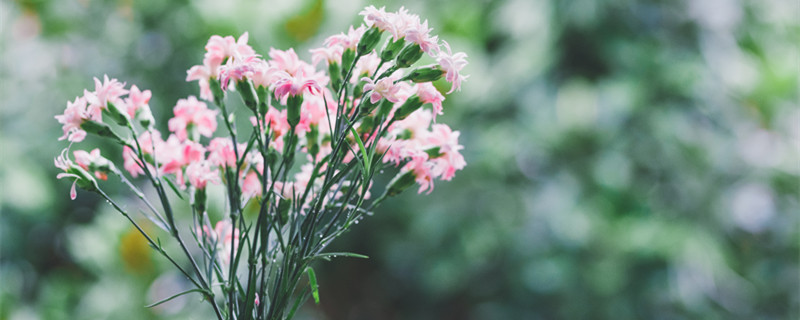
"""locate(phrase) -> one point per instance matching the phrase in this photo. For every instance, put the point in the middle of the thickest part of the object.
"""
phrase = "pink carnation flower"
(328, 54)
(452, 64)
(428, 94)
(346, 41)
(384, 88)
(451, 160)
(420, 34)
(422, 171)
(86, 159)
(108, 90)
(201, 173)
(138, 100)
(251, 186)
(63, 163)
(295, 85)
(195, 113)
(221, 152)
(77, 113)
(377, 18)
(289, 61)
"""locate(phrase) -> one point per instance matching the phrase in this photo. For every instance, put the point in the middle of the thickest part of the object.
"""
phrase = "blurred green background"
(626, 160)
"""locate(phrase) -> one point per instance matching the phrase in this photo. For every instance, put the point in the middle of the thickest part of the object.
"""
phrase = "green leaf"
(343, 254)
(365, 157)
(312, 280)
(297, 303)
(174, 188)
(174, 296)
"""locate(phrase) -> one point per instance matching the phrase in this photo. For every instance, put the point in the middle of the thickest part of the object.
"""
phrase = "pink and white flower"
(452, 64)
(377, 18)
(194, 113)
(384, 88)
(92, 159)
(200, 173)
(348, 40)
(74, 116)
(420, 34)
(63, 163)
(428, 94)
(295, 85)
(108, 90)
(221, 152)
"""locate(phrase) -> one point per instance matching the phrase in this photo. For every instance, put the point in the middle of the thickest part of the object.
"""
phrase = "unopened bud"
(120, 117)
(263, 94)
(409, 55)
(100, 129)
(248, 93)
(400, 183)
(391, 49)
(216, 90)
(293, 104)
(335, 74)
(412, 104)
(347, 59)
(368, 41)
(425, 74)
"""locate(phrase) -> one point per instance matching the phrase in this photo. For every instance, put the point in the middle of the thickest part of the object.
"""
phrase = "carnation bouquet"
(317, 136)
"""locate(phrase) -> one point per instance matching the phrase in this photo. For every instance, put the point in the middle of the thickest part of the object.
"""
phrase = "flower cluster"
(318, 134)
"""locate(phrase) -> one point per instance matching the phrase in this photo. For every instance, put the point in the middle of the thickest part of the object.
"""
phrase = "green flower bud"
(425, 74)
(412, 104)
(119, 116)
(248, 94)
(336, 75)
(384, 109)
(400, 183)
(100, 129)
(409, 55)
(347, 59)
(293, 104)
(391, 49)
(216, 90)
(263, 94)
(368, 41)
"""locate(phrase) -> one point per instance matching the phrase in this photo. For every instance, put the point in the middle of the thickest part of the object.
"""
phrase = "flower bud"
(200, 199)
(368, 106)
(335, 74)
(391, 49)
(248, 94)
(312, 142)
(216, 90)
(263, 94)
(400, 183)
(347, 59)
(100, 129)
(121, 118)
(283, 210)
(368, 41)
(425, 74)
(408, 56)
(293, 104)
(384, 109)
(84, 179)
(412, 104)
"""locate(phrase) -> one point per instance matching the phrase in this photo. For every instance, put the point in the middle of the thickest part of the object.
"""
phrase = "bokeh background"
(626, 160)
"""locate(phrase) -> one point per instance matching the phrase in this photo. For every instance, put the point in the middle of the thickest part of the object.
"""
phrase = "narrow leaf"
(174, 188)
(342, 254)
(174, 296)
